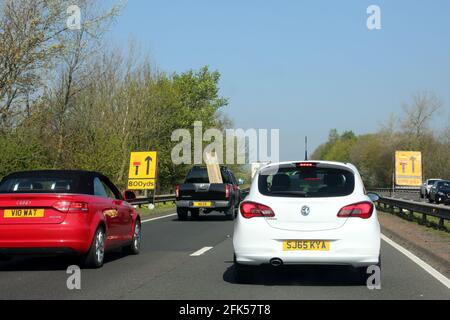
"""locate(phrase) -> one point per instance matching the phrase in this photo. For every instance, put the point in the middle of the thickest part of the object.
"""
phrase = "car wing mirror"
(129, 195)
(374, 197)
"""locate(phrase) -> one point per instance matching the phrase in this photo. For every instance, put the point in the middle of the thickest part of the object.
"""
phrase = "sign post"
(156, 179)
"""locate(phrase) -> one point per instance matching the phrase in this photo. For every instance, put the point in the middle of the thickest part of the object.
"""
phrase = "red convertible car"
(66, 212)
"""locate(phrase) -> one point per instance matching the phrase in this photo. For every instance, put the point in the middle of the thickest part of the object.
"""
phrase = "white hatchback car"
(307, 213)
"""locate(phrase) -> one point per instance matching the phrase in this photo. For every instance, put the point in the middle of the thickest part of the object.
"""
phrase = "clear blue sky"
(304, 67)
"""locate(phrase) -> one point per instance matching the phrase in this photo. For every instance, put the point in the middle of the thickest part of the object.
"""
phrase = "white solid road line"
(425, 266)
(201, 251)
(159, 218)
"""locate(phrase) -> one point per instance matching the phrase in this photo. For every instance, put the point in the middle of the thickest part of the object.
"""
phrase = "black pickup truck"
(196, 194)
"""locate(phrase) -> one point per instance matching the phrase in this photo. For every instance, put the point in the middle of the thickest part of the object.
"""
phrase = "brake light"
(254, 210)
(71, 207)
(227, 191)
(306, 164)
(361, 210)
(177, 191)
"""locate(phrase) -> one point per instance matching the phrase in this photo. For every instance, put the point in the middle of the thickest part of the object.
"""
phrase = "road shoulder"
(428, 244)
(159, 211)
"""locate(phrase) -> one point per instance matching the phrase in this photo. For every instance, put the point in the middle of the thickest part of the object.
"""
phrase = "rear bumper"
(220, 204)
(357, 244)
(72, 236)
(358, 259)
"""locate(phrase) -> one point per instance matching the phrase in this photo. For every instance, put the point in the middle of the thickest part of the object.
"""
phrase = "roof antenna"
(306, 148)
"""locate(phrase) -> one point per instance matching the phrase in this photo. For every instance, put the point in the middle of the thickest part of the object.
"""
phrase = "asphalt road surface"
(166, 270)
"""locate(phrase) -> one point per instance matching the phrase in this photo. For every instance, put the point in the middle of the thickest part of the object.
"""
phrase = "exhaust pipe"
(276, 262)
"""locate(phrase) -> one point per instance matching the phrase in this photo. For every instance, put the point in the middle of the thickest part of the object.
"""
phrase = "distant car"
(197, 194)
(307, 213)
(440, 192)
(66, 212)
(426, 186)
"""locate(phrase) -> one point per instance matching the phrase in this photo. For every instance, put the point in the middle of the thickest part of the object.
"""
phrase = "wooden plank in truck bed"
(213, 167)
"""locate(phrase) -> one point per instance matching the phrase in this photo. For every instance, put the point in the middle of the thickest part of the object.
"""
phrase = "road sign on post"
(408, 168)
(142, 173)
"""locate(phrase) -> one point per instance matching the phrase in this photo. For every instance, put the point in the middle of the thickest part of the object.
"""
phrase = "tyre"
(430, 200)
(230, 213)
(438, 200)
(182, 214)
(94, 259)
(135, 247)
(195, 214)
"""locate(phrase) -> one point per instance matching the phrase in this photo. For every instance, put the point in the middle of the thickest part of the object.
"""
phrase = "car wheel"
(430, 200)
(182, 214)
(438, 200)
(230, 213)
(135, 247)
(95, 257)
(195, 214)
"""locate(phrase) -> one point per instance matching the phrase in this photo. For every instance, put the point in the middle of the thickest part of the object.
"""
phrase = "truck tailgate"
(202, 191)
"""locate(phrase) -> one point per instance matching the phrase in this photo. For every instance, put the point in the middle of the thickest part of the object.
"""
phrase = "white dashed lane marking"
(201, 251)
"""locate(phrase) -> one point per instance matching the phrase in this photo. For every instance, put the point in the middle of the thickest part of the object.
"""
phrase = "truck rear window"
(320, 181)
(56, 184)
(200, 175)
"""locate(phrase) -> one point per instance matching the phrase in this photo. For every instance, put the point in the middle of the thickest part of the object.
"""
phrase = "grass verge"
(431, 222)
(160, 210)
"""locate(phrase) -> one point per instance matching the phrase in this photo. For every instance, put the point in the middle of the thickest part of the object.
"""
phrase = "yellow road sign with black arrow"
(142, 172)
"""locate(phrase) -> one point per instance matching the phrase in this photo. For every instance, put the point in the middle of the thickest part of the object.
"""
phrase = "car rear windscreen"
(306, 182)
(200, 175)
(48, 184)
(443, 185)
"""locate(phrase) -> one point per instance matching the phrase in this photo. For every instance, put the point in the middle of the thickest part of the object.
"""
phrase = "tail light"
(177, 191)
(227, 191)
(306, 164)
(361, 210)
(254, 210)
(71, 207)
